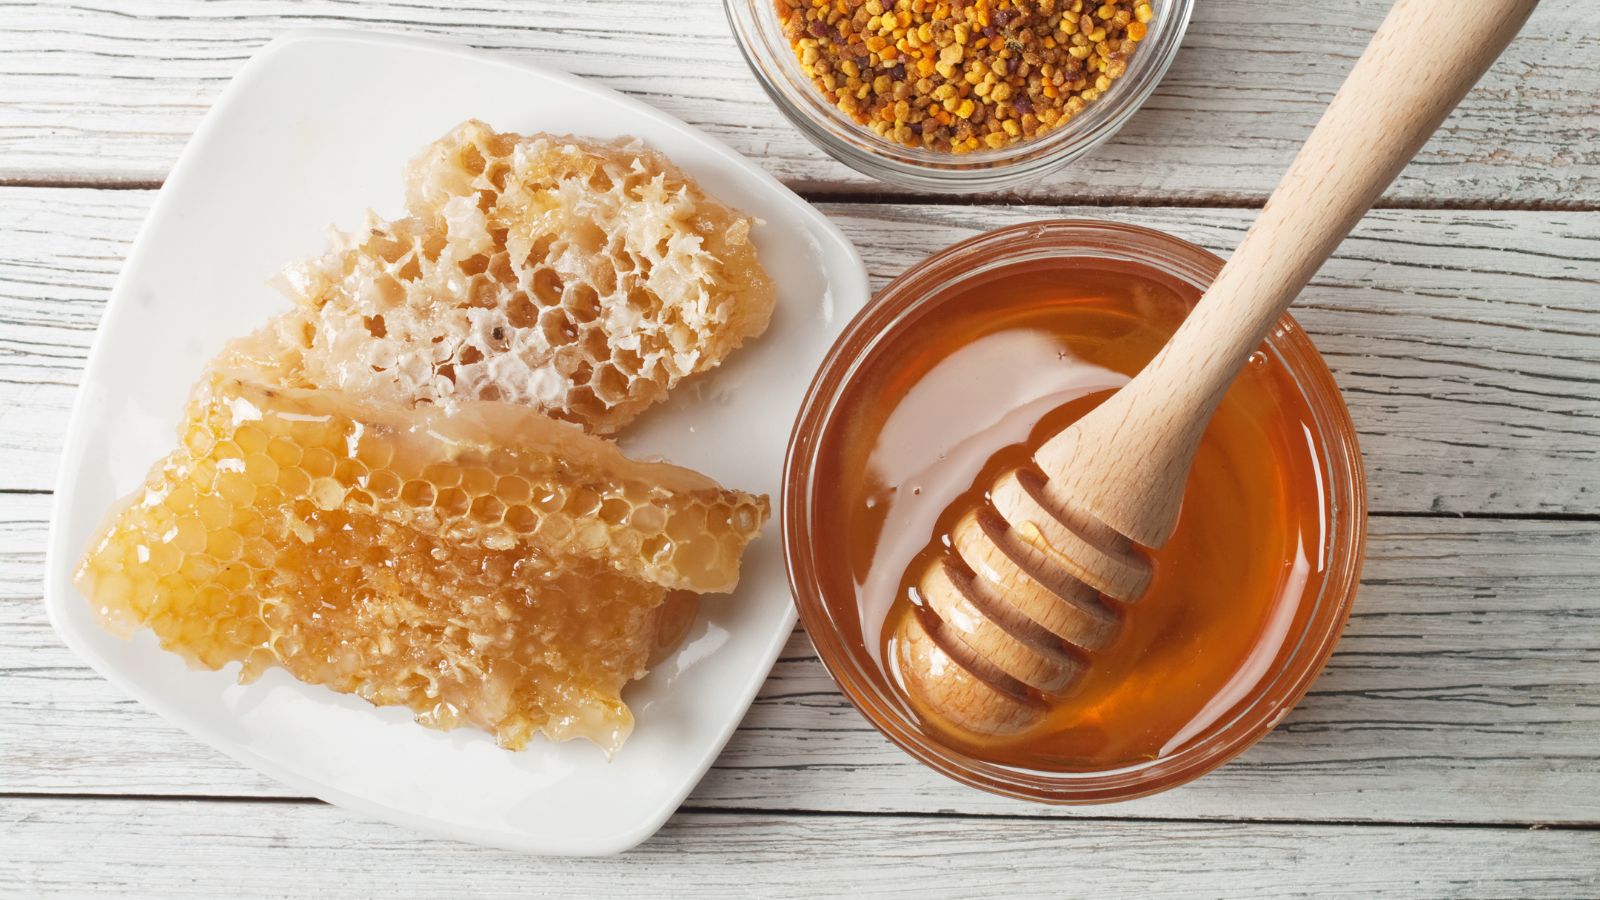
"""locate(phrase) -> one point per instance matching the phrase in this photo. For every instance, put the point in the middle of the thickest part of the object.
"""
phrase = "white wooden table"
(1451, 748)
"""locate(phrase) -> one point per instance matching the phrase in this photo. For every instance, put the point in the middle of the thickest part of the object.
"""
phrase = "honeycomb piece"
(582, 278)
(497, 475)
(414, 557)
(462, 635)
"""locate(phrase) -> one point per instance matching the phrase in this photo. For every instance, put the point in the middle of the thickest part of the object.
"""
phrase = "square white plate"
(315, 130)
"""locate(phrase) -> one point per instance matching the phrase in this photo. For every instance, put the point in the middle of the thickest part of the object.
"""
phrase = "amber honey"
(973, 382)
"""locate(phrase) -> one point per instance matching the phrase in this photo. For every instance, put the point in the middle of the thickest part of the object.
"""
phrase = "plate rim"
(57, 587)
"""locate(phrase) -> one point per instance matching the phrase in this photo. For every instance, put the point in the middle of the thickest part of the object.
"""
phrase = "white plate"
(314, 130)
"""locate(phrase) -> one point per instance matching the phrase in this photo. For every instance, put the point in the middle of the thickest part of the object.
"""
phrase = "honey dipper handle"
(1127, 461)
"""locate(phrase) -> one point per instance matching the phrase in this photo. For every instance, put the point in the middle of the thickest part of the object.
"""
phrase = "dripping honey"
(969, 386)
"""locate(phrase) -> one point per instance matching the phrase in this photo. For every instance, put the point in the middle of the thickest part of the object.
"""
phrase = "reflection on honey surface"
(969, 388)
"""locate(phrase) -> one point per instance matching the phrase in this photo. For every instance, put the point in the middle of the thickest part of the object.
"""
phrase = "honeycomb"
(486, 565)
(581, 278)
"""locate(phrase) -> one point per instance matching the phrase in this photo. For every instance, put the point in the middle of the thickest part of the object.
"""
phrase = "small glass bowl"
(1295, 667)
(771, 58)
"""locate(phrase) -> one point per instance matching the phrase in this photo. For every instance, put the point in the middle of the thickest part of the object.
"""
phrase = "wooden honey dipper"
(1012, 610)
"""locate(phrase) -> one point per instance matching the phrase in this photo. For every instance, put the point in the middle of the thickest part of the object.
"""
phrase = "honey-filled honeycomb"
(485, 565)
(579, 277)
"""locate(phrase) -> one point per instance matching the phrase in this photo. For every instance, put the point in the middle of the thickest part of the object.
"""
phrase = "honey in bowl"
(966, 385)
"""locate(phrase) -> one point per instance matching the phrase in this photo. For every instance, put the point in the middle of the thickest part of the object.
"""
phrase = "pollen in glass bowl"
(955, 96)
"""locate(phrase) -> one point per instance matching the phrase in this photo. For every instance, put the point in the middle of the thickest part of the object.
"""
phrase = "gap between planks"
(802, 812)
(870, 197)
(312, 850)
(1371, 514)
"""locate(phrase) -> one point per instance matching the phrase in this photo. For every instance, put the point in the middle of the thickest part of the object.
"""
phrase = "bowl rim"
(771, 60)
(1296, 667)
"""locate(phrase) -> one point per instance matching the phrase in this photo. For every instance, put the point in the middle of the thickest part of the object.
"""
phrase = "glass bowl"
(767, 50)
(1295, 666)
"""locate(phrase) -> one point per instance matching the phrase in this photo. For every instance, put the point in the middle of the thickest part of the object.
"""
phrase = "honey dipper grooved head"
(949, 683)
(1012, 642)
(1006, 616)
(1074, 539)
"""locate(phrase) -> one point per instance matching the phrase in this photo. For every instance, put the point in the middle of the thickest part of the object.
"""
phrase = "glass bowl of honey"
(958, 370)
(869, 118)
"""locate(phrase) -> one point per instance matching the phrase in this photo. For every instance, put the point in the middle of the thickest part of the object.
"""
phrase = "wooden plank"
(63, 251)
(1462, 692)
(189, 848)
(1467, 342)
(109, 92)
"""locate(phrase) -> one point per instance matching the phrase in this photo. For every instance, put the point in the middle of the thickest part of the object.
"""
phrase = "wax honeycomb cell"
(579, 277)
(486, 565)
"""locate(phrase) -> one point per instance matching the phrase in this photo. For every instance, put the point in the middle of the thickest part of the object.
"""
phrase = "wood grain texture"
(109, 92)
(1463, 695)
(1463, 691)
(1467, 343)
(187, 848)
